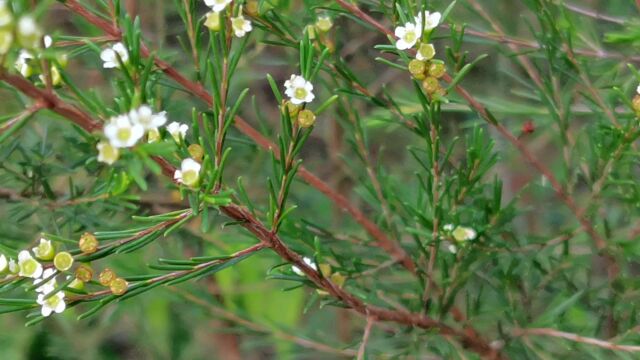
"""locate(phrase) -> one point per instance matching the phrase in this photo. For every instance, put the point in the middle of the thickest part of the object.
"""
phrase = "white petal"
(400, 31)
(24, 255)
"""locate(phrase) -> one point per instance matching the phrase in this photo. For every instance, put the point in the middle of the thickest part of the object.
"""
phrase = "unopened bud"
(88, 243)
(291, 108)
(325, 270)
(84, 273)
(636, 103)
(430, 85)
(338, 279)
(252, 8)
(196, 152)
(106, 277)
(306, 118)
(437, 70)
(119, 286)
(417, 68)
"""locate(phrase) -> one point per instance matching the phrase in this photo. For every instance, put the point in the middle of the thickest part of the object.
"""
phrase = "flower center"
(124, 134)
(300, 93)
(53, 301)
(189, 177)
(410, 36)
(29, 267)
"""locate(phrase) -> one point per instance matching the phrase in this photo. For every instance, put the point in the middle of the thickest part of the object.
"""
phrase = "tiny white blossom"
(452, 249)
(638, 89)
(107, 153)
(299, 90)
(189, 173)
(462, 233)
(433, 20)
(110, 56)
(122, 133)
(4, 264)
(53, 304)
(22, 63)
(48, 286)
(44, 250)
(28, 266)
(240, 25)
(217, 5)
(144, 116)
(448, 227)
(307, 261)
(408, 35)
(13, 267)
(178, 131)
(29, 33)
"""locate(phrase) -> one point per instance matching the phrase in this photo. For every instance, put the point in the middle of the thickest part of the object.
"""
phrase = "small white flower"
(462, 233)
(29, 33)
(189, 173)
(178, 131)
(110, 56)
(452, 249)
(433, 20)
(144, 116)
(28, 266)
(22, 63)
(299, 90)
(122, 133)
(425, 52)
(638, 89)
(448, 227)
(107, 153)
(44, 250)
(408, 35)
(53, 304)
(13, 267)
(217, 5)
(240, 25)
(307, 261)
(48, 286)
(4, 264)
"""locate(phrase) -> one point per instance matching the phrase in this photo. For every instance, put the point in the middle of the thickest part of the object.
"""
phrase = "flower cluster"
(458, 236)
(319, 29)
(239, 24)
(125, 130)
(29, 265)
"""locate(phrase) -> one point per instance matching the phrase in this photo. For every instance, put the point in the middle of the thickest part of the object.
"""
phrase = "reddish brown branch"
(576, 338)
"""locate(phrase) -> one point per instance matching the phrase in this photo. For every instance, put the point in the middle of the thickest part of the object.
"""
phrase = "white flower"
(144, 116)
(638, 89)
(407, 36)
(110, 56)
(213, 21)
(122, 133)
(29, 33)
(4, 264)
(13, 267)
(462, 233)
(452, 249)
(433, 20)
(44, 250)
(448, 227)
(28, 266)
(178, 131)
(425, 52)
(299, 90)
(22, 63)
(307, 261)
(189, 173)
(217, 5)
(53, 304)
(48, 286)
(240, 25)
(107, 153)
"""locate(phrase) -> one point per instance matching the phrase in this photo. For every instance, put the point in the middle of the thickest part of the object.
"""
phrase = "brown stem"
(576, 338)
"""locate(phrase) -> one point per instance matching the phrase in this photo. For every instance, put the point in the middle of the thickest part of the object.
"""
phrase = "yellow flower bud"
(106, 277)
(325, 270)
(88, 243)
(84, 273)
(437, 70)
(252, 8)
(119, 286)
(196, 152)
(292, 108)
(417, 68)
(76, 284)
(636, 103)
(324, 24)
(63, 261)
(430, 85)
(306, 118)
(338, 279)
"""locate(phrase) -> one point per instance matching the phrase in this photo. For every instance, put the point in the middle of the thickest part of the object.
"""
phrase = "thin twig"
(365, 337)
(576, 338)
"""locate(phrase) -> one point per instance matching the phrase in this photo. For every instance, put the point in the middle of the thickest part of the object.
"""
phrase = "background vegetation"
(536, 151)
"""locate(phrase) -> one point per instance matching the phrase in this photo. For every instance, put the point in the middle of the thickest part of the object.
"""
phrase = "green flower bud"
(437, 70)
(417, 69)
(84, 273)
(306, 118)
(88, 243)
(213, 21)
(119, 286)
(106, 277)
(63, 261)
(430, 85)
